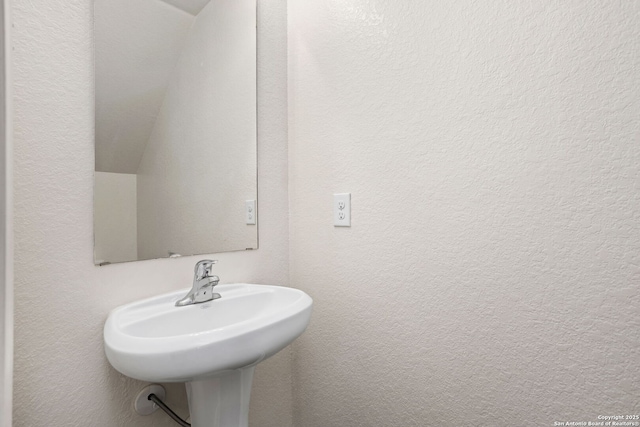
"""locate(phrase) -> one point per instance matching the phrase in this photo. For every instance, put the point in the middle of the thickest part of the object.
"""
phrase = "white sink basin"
(211, 346)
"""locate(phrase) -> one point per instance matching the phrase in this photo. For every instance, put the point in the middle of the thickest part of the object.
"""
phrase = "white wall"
(62, 300)
(115, 217)
(490, 276)
(6, 221)
(199, 165)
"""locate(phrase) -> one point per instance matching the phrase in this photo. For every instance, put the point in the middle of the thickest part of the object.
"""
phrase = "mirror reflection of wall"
(175, 127)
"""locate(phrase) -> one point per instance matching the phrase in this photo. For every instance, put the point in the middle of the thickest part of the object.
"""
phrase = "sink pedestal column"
(221, 401)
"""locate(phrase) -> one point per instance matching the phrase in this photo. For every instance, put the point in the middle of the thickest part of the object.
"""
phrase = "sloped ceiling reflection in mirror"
(138, 43)
(192, 7)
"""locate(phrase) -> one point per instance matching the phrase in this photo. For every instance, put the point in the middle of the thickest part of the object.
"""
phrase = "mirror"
(175, 128)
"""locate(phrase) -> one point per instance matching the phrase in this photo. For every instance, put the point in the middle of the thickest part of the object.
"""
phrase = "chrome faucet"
(203, 283)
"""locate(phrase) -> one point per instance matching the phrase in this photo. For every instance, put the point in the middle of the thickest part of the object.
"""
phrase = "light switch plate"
(250, 212)
(342, 210)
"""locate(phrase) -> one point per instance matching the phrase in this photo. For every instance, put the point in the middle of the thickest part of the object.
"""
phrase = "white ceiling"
(138, 43)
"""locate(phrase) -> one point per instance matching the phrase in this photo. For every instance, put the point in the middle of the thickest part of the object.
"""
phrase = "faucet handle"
(203, 268)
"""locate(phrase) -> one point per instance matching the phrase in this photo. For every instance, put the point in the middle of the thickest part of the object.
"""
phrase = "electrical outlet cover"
(342, 210)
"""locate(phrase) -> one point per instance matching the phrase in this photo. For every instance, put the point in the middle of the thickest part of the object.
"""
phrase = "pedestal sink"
(213, 347)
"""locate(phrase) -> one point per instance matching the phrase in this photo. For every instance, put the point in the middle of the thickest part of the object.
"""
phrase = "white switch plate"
(342, 210)
(250, 212)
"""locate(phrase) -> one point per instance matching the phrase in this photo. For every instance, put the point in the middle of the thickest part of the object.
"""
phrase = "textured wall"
(6, 229)
(199, 165)
(491, 275)
(62, 377)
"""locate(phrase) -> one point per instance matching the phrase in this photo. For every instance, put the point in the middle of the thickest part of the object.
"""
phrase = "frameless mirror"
(175, 128)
